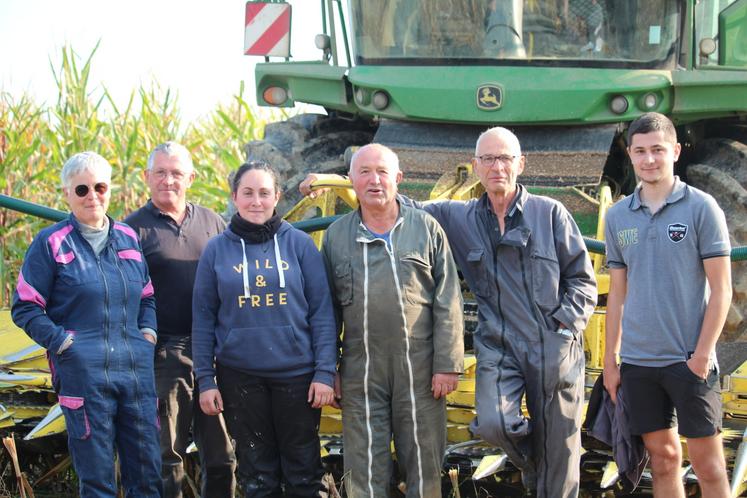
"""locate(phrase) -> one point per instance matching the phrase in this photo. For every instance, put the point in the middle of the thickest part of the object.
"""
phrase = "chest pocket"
(77, 272)
(344, 283)
(545, 277)
(417, 278)
(130, 261)
(479, 269)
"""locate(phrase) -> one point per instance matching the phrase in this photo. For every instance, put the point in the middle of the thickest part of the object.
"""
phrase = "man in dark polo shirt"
(173, 234)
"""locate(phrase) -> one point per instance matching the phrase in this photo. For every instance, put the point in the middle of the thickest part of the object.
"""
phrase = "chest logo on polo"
(677, 232)
(627, 237)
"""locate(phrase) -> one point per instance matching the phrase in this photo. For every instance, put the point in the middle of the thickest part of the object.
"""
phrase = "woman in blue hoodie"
(263, 316)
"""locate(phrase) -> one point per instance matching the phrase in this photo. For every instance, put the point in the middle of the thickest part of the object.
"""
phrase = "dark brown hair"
(651, 122)
(250, 165)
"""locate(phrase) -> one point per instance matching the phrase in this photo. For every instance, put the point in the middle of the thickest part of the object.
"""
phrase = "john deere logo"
(489, 97)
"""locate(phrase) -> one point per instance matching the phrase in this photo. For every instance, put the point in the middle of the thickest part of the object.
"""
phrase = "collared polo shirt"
(172, 252)
(663, 253)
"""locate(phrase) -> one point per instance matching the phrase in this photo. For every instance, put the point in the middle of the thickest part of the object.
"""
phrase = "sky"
(192, 47)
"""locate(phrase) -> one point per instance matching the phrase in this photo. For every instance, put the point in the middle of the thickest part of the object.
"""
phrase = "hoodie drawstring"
(279, 263)
(245, 268)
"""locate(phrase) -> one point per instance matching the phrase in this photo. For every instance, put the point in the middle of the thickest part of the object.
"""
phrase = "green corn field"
(36, 139)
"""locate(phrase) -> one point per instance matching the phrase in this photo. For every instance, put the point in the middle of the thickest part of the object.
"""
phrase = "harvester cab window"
(529, 31)
(706, 26)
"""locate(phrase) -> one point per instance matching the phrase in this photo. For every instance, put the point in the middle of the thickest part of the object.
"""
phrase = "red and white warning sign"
(267, 29)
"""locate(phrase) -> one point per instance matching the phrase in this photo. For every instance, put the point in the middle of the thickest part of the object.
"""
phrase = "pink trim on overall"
(65, 258)
(27, 293)
(52, 371)
(130, 254)
(147, 290)
(72, 402)
(76, 403)
(127, 230)
(55, 242)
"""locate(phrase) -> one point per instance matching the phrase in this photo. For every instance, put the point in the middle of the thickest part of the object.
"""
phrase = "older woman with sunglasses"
(84, 294)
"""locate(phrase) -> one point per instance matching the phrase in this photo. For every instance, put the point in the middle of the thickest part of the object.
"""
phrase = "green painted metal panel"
(312, 82)
(530, 94)
(537, 95)
(708, 93)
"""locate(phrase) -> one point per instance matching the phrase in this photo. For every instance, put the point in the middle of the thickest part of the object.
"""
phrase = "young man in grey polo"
(670, 288)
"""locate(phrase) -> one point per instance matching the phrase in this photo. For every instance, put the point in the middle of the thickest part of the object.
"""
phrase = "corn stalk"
(37, 139)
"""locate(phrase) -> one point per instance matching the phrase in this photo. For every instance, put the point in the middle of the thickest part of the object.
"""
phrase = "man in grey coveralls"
(523, 257)
(525, 260)
(396, 290)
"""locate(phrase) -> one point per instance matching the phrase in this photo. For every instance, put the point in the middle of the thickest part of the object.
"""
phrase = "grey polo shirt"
(172, 252)
(663, 253)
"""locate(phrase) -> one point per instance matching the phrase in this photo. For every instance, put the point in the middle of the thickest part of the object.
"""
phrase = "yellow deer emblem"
(489, 97)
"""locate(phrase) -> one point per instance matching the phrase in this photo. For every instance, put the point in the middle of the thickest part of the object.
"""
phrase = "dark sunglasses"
(100, 188)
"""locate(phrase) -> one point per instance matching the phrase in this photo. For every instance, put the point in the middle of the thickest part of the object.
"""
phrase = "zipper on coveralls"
(393, 264)
(538, 317)
(498, 297)
(124, 327)
(502, 337)
(129, 349)
(124, 332)
(106, 313)
(411, 379)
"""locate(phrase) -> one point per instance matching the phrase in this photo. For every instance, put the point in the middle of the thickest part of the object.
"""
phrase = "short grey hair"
(503, 133)
(391, 156)
(85, 161)
(171, 149)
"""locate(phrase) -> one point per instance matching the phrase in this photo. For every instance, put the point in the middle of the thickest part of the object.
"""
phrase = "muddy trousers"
(546, 446)
(276, 433)
(371, 421)
(179, 412)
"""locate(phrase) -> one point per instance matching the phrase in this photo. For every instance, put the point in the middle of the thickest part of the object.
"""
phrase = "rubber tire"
(307, 143)
(719, 167)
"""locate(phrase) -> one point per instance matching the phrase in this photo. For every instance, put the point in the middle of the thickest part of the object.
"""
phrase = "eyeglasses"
(488, 160)
(100, 188)
(162, 174)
